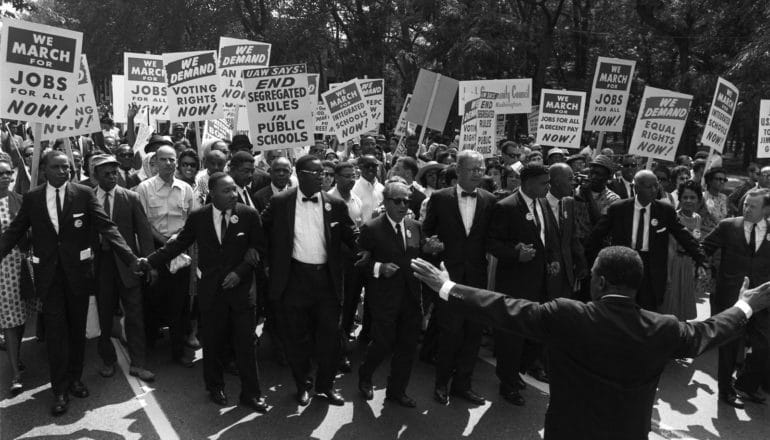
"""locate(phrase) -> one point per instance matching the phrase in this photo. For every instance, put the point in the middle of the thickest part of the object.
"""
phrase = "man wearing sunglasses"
(624, 187)
(125, 156)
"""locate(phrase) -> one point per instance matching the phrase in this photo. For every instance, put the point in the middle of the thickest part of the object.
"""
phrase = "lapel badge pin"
(654, 222)
(234, 219)
(530, 217)
(78, 223)
(328, 206)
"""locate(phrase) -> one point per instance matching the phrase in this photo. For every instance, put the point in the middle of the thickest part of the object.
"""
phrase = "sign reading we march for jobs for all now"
(192, 86)
(609, 95)
(39, 65)
(145, 80)
(86, 113)
(659, 124)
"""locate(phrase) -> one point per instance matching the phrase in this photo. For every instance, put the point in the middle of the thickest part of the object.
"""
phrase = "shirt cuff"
(377, 270)
(445, 288)
(743, 305)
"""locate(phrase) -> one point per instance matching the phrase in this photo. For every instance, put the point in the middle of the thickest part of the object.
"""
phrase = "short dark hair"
(663, 169)
(679, 169)
(698, 164)
(303, 162)
(761, 192)
(450, 174)
(532, 170)
(506, 145)
(711, 173)
(51, 154)
(692, 186)
(192, 154)
(338, 168)
(215, 178)
(620, 266)
(240, 158)
(682, 158)
(410, 164)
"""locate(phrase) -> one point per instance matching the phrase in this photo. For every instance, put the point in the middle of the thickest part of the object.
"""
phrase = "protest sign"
(469, 126)
(86, 113)
(192, 86)
(312, 87)
(39, 65)
(431, 100)
(401, 128)
(659, 124)
(235, 56)
(532, 118)
(241, 121)
(763, 138)
(276, 100)
(513, 95)
(609, 95)
(221, 128)
(349, 111)
(145, 80)
(477, 131)
(322, 119)
(720, 115)
(500, 125)
(560, 121)
(118, 87)
(374, 93)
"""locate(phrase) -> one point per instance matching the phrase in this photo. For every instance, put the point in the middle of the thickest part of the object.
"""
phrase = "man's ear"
(602, 283)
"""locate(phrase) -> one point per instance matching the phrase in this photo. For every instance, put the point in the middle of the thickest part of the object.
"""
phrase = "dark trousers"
(64, 315)
(225, 330)
(352, 286)
(309, 321)
(756, 367)
(515, 355)
(170, 297)
(395, 329)
(645, 296)
(111, 289)
(458, 346)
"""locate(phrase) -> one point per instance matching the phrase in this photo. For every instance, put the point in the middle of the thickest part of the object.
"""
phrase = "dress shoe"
(520, 384)
(16, 387)
(334, 397)
(107, 370)
(193, 343)
(78, 389)
(59, 406)
(402, 400)
(513, 397)
(538, 374)
(141, 373)
(256, 403)
(440, 395)
(366, 389)
(751, 396)
(345, 365)
(303, 397)
(470, 396)
(732, 400)
(218, 396)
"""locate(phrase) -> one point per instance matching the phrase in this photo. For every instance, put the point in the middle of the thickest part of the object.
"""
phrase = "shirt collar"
(638, 205)
(527, 199)
(217, 212)
(159, 182)
(50, 187)
(760, 224)
(101, 191)
(552, 198)
(460, 191)
(301, 195)
(393, 224)
(276, 190)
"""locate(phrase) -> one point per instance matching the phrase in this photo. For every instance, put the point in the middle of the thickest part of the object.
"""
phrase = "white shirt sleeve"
(743, 305)
(377, 270)
(445, 288)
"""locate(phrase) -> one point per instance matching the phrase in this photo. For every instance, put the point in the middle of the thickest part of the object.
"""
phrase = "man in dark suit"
(394, 294)
(241, 169)
(64, 218)
(115, 279)
(644, 224)
(518, 235)
(625, 186)
(280, 179)
(745, 246)
(227, 233)
(306, 228)
(125, 156)
(607, 355)
(406, 167)
(457, 218)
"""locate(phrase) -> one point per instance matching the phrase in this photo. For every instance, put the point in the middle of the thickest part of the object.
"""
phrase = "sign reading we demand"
(39, 65)
(193, 83)
(660, 123)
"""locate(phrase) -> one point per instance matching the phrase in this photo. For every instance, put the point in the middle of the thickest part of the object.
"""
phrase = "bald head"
(646, 186)
(562, 177)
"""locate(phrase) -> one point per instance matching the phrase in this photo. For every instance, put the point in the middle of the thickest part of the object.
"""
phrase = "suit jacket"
(378, 236)
(216, 260)
(259, 179)
(618, 187)
(510, 225)
(563, 246)
(738, 260)
(262, 197)
(131, 220)
(82, 218)
(129, 182)
(415, 202)
(618, 223)
(464, 255)
(278, 220)
(606, 356)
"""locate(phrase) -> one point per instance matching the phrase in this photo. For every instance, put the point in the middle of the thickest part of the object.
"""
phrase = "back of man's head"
(617, 270)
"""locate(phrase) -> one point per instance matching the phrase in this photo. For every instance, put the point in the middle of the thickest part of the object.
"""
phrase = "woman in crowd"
(679, 299)
(495, 171)
(714, 206)
(665, 184)
(679, 175)
(14, 308)
(188, 165)
(535, 157)
(428, 177)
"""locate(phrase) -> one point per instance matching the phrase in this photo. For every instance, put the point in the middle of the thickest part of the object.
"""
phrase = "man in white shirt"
(368, 188)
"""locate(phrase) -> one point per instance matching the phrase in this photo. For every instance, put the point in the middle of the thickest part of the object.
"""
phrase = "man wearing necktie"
(517, 237)
(115, 279)
(64, 218)
(280, 180)
(229, 237)
(745, 246)
(305, 229)
(241, 170)
(645, 225)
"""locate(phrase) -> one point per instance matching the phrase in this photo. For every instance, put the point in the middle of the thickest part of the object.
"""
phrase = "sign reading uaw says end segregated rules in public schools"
(39, 72)
(660, 123)
(560, 122)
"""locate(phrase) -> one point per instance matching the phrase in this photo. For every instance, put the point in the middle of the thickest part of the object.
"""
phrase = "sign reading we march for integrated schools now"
(560, 122)
(145, 80)
(720, 115)
(86, 113)
(192, 86)
(660, 123)
(609, 95)
(349, 111)
(39, 65)
(277, 104)
(235, 56)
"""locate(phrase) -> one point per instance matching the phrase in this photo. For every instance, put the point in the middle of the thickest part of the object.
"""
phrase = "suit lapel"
(456, 208)
(480, 205)
(742, 235)
(69, 196)
(292, 212)
(327, 214)
(44, 208)
(628, 224)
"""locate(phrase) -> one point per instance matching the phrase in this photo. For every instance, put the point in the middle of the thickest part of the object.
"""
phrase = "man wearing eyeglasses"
(125, 156)
(624, 187)
(306, 228)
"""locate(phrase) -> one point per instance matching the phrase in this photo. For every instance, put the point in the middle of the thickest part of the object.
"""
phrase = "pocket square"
(77, 214)
(660, 231)
(333, 224)
(240, 234)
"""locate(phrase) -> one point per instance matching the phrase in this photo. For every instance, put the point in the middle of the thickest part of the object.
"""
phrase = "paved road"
(176, 406)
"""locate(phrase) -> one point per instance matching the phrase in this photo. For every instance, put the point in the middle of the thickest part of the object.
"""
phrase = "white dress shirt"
(277, 190)
(467, 207)
(540, 215)
(309, 238)
(100, 195)
(555, 205)
(354, 205)
(377, 264)
(370, 195)
(217, 216)
(759, 232)
(646, 239)
(244, 194)
(628, 186)
(50, 202)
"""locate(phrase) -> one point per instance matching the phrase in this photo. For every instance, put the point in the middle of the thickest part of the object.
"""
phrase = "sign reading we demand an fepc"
(39, 66)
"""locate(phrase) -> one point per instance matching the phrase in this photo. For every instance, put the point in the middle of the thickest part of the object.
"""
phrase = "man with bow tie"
(306, 228)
